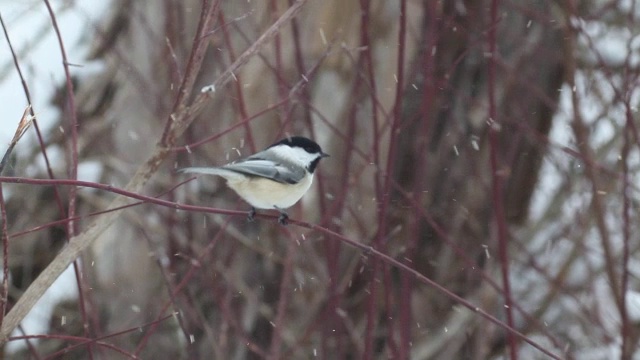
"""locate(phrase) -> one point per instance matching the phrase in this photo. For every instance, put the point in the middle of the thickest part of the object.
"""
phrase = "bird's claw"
(252, 214)
(283, 219)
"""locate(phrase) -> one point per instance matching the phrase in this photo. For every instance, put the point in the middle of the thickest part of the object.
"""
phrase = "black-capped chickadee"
(275, 178)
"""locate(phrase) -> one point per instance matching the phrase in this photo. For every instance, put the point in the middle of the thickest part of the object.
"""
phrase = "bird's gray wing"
(267, 169)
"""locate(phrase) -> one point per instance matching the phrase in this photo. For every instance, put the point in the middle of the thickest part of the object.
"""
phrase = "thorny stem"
(179, 122)
(277, 54)
(183, 283)
(27, 94)
(184, 118)
(580, 132)
(285, 288)
(384, 196)
(300, 67)
(35, 122)
(196, 57)
(99, 341)
(626, 346)
(5, 260)
(416, 222)
(497, 183)
(73, 167)
(242, 108)
(330, 234)
(42, 146)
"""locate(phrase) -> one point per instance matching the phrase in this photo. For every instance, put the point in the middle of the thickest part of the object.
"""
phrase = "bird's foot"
(283, 219)
(252, 214)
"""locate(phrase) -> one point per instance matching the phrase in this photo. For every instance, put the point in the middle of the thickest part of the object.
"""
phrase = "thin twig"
(332, 235)
(73, 167)
(196, 57)
(84, 341)
(183, 118)
(497, 188)
(242, 107)
(4, 296)
(27, 94)
(285, 289)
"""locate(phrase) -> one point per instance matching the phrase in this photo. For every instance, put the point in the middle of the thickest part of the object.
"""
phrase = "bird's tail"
(227, 174)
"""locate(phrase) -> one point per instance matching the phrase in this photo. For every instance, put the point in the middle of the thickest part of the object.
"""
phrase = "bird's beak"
(323, 155)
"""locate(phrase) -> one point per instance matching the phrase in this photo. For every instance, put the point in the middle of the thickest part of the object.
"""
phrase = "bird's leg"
(252, 214)
(283, 219)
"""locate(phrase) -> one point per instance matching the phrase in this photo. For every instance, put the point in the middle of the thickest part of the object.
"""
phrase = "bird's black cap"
(308, 145)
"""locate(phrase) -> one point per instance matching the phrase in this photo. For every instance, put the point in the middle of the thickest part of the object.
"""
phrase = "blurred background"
(491, 146)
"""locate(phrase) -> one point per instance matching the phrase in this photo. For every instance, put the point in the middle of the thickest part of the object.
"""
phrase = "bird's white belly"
(262, 193)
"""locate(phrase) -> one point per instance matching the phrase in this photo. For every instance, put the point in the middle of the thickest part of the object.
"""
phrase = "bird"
(274, 178)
